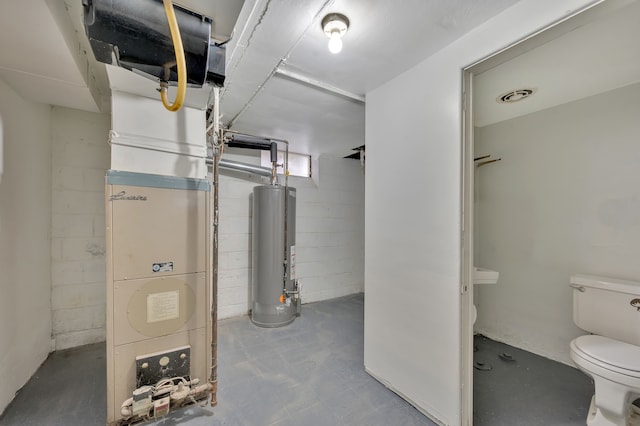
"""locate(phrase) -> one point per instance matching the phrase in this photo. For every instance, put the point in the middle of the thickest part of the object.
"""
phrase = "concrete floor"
(309, 373)
(523, 389)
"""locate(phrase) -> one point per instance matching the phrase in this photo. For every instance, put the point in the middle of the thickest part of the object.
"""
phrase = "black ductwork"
(254, 142)
(135, 35)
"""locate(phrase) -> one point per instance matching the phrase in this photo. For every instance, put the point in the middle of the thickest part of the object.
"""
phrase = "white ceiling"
(597, 57)
(384, 39)
(36, 60)
(46, 58)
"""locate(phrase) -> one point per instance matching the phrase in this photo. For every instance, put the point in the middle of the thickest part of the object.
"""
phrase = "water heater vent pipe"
(242, 167)
(245, 140)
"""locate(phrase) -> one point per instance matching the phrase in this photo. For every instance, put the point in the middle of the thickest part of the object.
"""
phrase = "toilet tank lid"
(622, 286)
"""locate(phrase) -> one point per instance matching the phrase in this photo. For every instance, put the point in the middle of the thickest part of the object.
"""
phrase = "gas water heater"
(275, 292)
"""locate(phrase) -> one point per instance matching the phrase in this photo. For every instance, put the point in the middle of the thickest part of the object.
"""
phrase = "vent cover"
(515, 96)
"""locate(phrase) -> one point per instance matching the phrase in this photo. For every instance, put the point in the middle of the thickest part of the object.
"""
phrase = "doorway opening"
(549, 190)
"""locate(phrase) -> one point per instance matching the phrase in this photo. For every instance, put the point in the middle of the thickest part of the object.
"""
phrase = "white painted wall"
(25, 250)
(563, 200)
(413, 210)
(80, 158)
(329, 232)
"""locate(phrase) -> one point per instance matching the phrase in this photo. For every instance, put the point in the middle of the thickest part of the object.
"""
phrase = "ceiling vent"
(515, 96)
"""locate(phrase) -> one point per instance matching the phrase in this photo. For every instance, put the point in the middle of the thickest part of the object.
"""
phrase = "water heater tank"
(273, 270)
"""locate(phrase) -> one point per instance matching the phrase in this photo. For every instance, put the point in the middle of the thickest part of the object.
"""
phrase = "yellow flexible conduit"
(180, 60)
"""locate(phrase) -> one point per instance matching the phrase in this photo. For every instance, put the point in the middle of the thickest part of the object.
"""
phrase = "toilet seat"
(612, 355)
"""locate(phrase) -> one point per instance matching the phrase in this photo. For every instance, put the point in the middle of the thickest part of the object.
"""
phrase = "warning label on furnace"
(163, 306)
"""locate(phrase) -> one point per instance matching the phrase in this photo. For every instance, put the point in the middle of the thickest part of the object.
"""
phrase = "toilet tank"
(607, 306)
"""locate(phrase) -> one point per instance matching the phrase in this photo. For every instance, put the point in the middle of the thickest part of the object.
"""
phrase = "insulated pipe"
(216, 146)
(242, 167)
(251, 142)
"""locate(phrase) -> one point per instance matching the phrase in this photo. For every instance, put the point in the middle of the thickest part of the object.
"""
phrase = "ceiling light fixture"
(335, 25)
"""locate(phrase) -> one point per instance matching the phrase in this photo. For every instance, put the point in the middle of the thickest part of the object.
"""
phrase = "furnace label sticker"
(163, 306)
(162, 267)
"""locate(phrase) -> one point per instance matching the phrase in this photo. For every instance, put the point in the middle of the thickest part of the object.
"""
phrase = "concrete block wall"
(80, 158)
(329, 237)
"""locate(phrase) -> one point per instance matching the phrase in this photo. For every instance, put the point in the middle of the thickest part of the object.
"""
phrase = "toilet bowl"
(615, 369)
(608, 308)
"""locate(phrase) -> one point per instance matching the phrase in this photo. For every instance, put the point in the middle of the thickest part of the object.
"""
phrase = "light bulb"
(335, 43)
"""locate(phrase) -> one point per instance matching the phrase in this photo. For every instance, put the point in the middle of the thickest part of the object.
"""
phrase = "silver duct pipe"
(242, 167)
(268, 139)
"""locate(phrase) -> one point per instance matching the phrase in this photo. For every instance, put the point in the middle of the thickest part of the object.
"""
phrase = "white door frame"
(466, 269)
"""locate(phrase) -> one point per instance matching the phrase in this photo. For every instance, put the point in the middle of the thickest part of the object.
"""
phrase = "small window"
(299, 164)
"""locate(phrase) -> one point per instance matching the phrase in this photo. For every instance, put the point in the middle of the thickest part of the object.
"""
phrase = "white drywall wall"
(25, 249)
(563, 200)
(413, 211)
(80, 158)
(329, 232)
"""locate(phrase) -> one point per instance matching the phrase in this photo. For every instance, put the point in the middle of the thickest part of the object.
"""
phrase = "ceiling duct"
(135, 35)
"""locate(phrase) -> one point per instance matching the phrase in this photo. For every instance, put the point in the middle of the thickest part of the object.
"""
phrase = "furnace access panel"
(158, 297)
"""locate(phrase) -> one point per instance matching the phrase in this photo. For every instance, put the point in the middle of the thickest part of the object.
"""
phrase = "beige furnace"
(158, 294)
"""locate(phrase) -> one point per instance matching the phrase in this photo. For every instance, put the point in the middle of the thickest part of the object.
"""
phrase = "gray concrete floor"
(308, 373)
(68, 389)
(527, 390)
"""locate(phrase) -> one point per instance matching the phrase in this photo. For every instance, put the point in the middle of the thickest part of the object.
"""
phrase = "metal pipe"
(327, 4)
(252, 139)
(216, 145)
(242, 167)
(318, 84)
(286, 164)
(268, 138)
(263, 138)
(287, 260)
(251, 142)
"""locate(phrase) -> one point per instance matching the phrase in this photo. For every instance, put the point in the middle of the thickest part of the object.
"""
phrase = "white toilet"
(610, 309)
